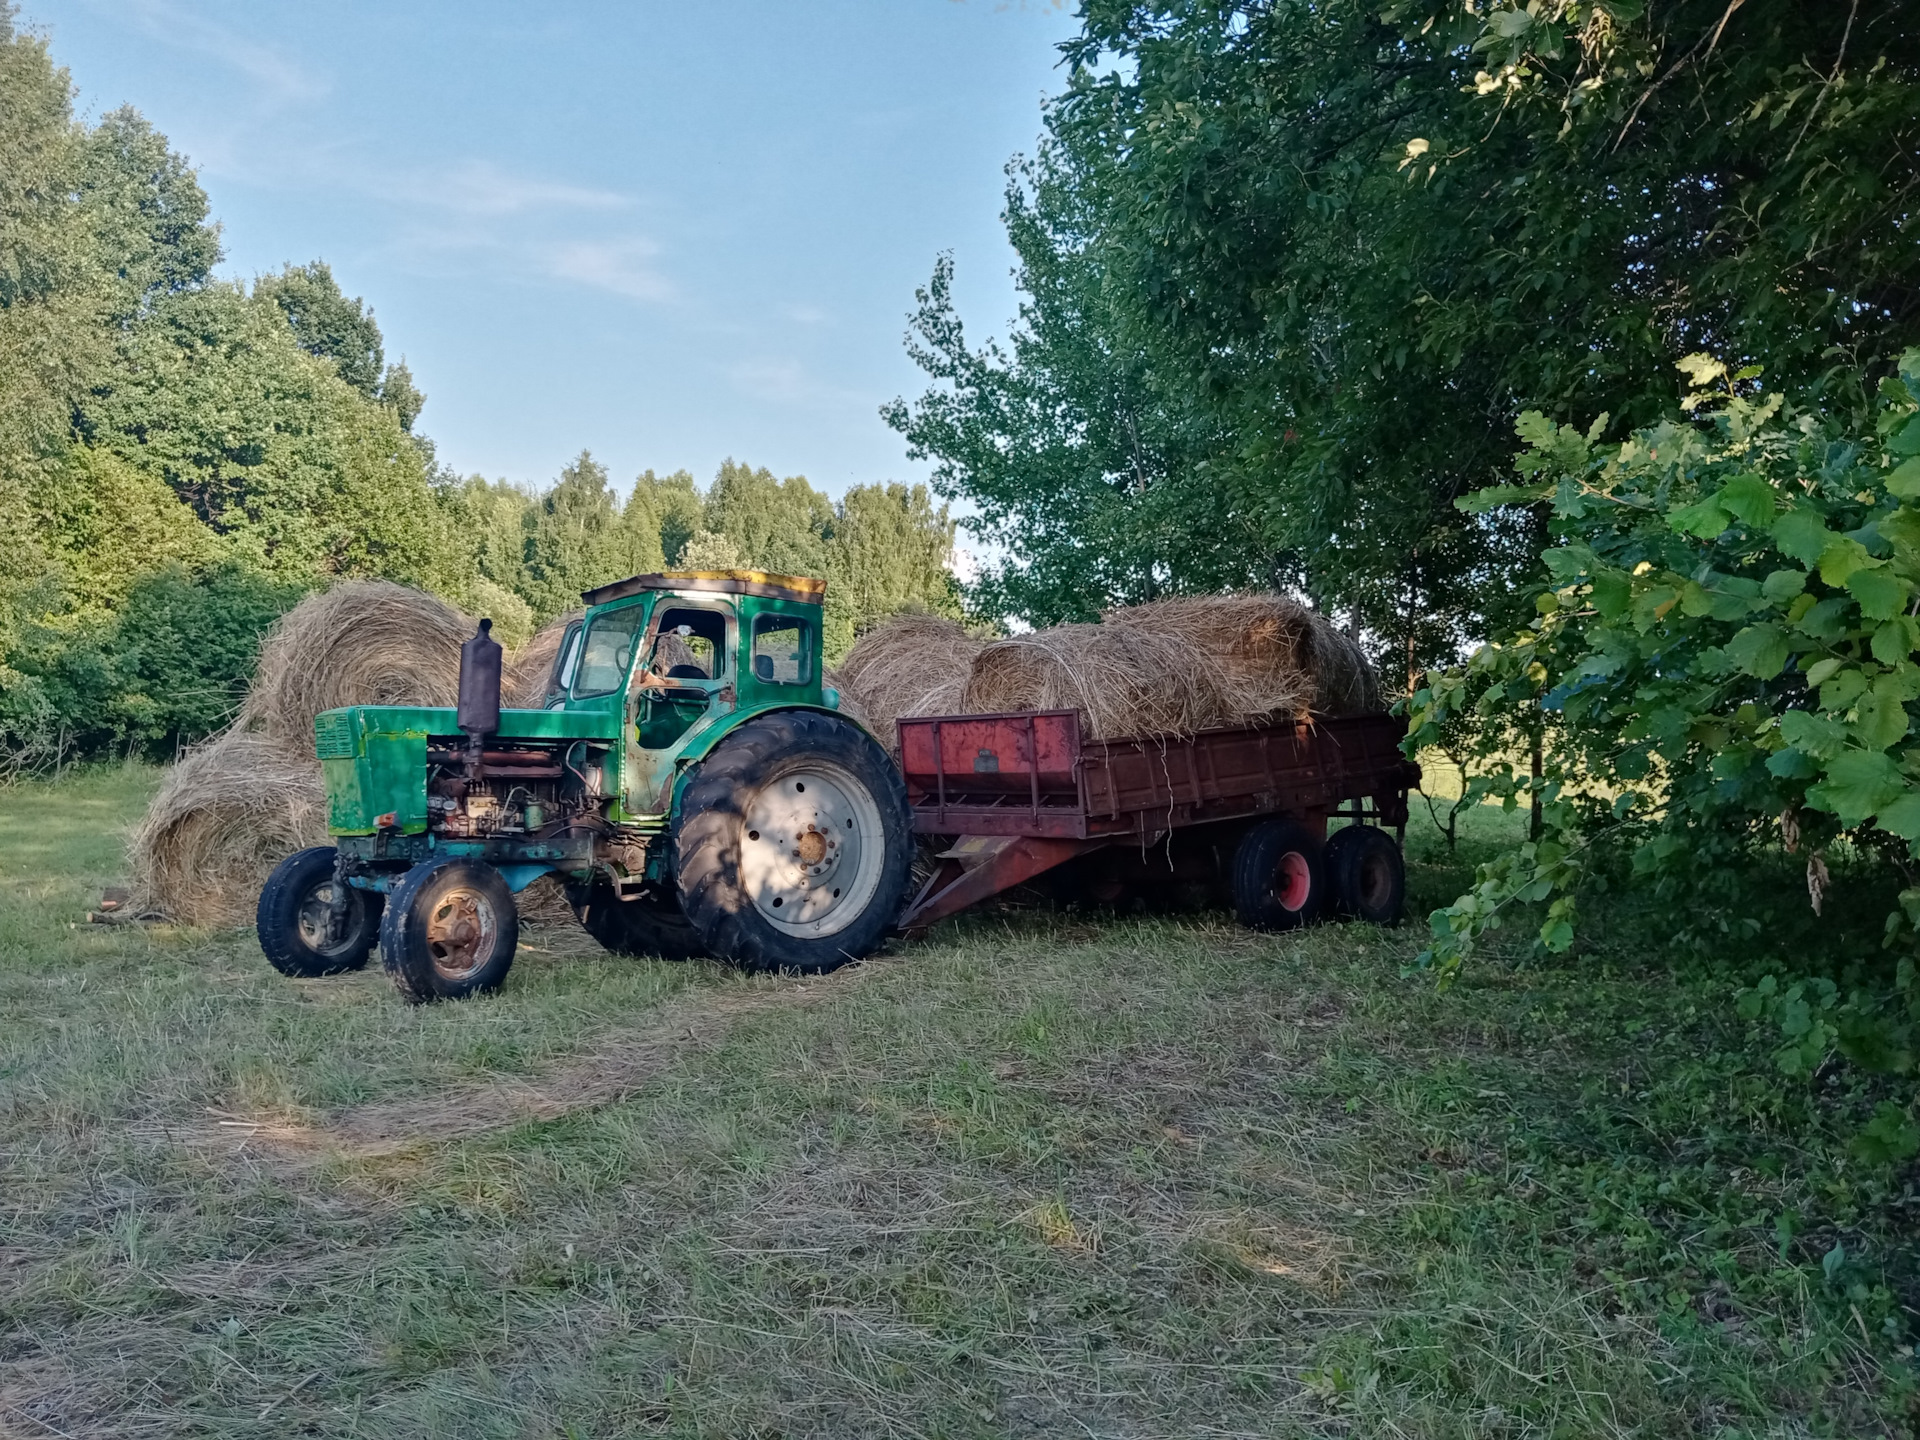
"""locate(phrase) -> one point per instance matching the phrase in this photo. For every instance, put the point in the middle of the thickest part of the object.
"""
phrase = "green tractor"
(689, 779)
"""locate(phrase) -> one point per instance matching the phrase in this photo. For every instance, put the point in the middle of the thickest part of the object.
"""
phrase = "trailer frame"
(1026, 791)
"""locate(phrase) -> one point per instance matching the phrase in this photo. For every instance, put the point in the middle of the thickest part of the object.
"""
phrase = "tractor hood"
(375, 756)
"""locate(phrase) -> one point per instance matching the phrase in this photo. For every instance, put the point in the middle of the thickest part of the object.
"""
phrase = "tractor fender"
(690, 759)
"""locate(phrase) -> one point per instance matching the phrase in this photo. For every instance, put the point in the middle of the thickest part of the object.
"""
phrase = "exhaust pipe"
(479, 711)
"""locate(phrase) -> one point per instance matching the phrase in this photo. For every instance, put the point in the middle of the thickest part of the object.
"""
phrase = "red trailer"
(1021, 794)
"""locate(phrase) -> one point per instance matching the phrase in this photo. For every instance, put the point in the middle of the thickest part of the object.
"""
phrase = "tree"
(1334, 250)
(571, 546)
(671, 506)
(776, 525)
(889, 552)
(326, 323)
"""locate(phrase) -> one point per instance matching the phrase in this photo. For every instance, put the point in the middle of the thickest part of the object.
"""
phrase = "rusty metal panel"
(1133, 787)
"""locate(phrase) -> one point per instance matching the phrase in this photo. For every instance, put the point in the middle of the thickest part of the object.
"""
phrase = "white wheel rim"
(812, 851)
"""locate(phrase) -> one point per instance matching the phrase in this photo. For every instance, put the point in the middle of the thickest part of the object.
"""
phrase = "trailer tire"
(1279, 876)
(1366, 874)
(450, 931)
(291, 920)
(779, 877)
(647, 926)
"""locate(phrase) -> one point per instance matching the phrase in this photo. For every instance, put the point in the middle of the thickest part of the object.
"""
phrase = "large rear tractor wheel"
(450, 931)
(1279, 878)
(299, 931)
(793, 844)
(1366, 875)
(647, 926)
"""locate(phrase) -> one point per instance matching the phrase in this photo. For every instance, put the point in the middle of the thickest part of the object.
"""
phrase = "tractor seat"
(687, 672)
(763, 667)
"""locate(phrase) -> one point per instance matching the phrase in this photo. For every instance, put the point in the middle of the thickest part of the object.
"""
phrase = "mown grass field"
(1039, 1175)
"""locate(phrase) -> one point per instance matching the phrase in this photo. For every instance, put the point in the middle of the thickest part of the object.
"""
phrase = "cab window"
(782, 654)
(602, 667)
(690, 645)
(564, 660)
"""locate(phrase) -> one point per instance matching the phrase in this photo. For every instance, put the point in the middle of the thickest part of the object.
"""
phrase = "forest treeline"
(182, 456)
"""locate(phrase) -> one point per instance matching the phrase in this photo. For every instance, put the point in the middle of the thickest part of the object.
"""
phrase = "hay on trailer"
(226, 814)
(911, 665)
(1122, 680)
(524, 682)
(364, 642)
(544, 902)
(1277, 655)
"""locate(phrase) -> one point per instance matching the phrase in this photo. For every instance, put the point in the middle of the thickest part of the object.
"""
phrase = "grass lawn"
(1038, 1175)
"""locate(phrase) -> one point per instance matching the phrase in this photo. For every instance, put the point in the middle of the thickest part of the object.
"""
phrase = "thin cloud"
(281, 78)
(479, 187)
(620, 266)
(788, 382)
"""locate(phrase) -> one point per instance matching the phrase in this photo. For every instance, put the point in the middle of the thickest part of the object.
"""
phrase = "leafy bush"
(169, 668)
(1723, 665)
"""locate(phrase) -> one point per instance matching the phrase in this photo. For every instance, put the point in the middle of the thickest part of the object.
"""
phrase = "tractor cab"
(681, 658)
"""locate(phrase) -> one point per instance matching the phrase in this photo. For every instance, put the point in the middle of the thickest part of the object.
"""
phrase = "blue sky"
(666, 232)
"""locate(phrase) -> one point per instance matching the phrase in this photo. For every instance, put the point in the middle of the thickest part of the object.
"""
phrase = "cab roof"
(724, 582)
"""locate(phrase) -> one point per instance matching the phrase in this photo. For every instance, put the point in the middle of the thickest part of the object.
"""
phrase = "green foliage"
(1724, 662)
(1293, 271)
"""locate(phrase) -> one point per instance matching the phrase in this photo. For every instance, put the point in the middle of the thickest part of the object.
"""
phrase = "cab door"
(682, 685)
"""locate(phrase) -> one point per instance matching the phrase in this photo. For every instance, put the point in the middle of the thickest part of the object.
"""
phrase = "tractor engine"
(527, 790)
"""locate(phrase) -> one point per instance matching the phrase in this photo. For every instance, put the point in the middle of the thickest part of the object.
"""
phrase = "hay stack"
(1277, 656)
(1166, 668)
(1123, 680)
(912, 665)
(225, 816)
(524, 684)
(366, 642)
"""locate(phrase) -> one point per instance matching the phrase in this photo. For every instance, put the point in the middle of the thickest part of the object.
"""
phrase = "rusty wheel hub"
(461, 933)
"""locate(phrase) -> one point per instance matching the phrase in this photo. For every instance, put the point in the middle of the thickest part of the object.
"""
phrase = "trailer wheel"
(793, 844)
(450, 931)
(647, 926)
(1366, 874)
(294, 919)
(1279, 876)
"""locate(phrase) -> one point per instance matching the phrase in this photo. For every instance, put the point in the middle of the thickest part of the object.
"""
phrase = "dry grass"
(225, 816)
(524, 683)
(364, 642)
(911, 665)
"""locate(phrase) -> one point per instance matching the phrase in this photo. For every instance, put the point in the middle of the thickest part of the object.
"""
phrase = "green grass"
(1041, 1175)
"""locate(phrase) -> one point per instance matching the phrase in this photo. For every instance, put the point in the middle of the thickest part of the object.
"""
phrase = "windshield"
(608, 650)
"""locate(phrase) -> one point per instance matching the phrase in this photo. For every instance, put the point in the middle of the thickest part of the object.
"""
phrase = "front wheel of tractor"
(450, 931)
(300, 932)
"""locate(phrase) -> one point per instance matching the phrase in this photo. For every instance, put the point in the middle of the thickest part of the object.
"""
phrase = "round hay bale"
(1123, 680)
(364, 642)
(226, 814)
(1276, 655)
(1345, 682)
(524, 682)
(910, 665)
